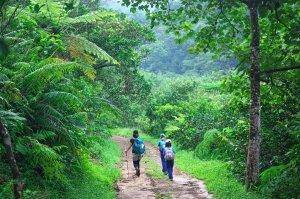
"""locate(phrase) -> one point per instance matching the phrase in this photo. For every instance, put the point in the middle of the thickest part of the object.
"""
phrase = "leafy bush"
(214, 146)
(281, 181)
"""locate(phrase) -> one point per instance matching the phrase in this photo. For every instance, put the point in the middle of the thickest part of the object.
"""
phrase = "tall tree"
(226, 31)
(252, 173)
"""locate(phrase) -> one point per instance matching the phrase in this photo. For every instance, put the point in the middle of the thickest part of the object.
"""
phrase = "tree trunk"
(18, 186)
(252, 172)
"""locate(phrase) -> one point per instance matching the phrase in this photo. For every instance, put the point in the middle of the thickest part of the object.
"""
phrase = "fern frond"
(46, 157)
(36, 80)
(61, 98)
(23, 68)
(4, 102)
(23, 43)
(88, 71)
(3, 77)
(11, 92)
(48, 110)
(53, 71)
(82, 44)
(79, 120)
(106, 103)
(43, 135)
(91, 17)
(10, 115)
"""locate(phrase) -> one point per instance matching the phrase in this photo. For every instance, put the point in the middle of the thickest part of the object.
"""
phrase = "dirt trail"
(183, 186)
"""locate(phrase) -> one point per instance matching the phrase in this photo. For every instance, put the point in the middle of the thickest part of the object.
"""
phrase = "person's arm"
(158, 146)
(128, 148)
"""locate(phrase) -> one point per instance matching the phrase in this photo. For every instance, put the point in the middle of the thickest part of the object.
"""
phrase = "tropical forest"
(149, 99)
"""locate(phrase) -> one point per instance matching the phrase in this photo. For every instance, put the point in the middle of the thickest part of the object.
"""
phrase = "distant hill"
(166, 55)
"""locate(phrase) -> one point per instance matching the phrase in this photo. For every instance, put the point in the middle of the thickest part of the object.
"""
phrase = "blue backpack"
(138, 146)
(162, 145)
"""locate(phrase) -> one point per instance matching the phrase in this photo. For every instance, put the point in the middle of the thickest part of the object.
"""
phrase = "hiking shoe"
(138, 173)
(166, 173)
(171, 179)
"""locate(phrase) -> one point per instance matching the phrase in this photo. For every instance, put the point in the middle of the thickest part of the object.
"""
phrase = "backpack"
(169, 154)
(162, 145)
(138, 146)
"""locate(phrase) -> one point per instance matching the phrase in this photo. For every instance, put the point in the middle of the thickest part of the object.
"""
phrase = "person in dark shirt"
(161, 147)
(136, 158)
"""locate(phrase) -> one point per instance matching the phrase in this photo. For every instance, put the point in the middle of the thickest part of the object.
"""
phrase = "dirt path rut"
(147, 187)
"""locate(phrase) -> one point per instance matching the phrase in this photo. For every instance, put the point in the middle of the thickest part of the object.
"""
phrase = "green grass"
(219, 180)
(88, 179)
(98, 177)
(153, 170)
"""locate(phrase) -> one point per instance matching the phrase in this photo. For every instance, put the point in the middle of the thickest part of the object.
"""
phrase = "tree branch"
(103, 65)
(281, 69)
(9, 20)
(8, 146)
(278, 19)
(221, 11)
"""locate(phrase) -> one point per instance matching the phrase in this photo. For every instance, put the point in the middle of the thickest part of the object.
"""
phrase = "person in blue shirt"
(169, 155)
(161, 147)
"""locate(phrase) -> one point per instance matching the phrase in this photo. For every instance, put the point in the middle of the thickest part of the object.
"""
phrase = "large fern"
(37, 80)
(91, 17)
(81, 44)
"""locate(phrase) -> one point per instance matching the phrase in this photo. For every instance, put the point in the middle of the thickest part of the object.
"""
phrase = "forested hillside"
(218, 77)
(167, 54)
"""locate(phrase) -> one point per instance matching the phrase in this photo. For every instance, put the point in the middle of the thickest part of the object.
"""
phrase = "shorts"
(136, 157)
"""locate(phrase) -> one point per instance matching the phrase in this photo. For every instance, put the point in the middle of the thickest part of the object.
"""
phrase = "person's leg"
(170, 164)
(163, 162)
(171, 169)
(136, 163)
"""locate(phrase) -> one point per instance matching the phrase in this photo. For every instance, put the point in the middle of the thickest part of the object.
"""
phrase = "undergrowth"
(92, 175)
(94, 178)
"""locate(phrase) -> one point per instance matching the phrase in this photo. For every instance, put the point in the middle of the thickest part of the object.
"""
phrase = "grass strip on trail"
(153, 170)
(219, 180)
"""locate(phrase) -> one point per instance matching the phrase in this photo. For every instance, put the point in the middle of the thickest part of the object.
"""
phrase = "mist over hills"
(165, 55)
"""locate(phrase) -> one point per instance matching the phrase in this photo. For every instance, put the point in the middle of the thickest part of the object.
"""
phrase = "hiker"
(161, 147)
(138, 149)
(169, 154)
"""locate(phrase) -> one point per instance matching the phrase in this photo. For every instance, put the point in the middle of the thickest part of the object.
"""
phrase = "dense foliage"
(210, 118)
(232, 28)
(67, 71)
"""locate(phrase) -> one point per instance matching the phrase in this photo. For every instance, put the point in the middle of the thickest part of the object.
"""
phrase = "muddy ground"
(148, 187)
